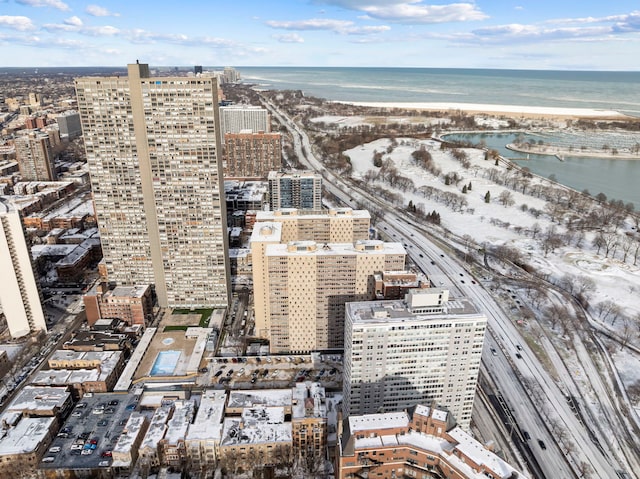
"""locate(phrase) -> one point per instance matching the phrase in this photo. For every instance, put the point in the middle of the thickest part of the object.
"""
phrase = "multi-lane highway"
(544, 419)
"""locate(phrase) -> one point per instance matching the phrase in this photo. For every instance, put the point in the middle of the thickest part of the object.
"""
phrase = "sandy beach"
(526, 111)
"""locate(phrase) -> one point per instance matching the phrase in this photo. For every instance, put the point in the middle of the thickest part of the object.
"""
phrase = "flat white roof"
(25, 437)
(378, 421)
(208, 422)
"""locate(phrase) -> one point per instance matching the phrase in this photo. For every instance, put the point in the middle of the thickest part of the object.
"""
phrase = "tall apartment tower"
(400, 353)
(300, 306)
(337, 225)
(235, 118)
(35, 157)
(301, 190)
(69, 123)
(153, 150)
(19, 294)
(251, 154)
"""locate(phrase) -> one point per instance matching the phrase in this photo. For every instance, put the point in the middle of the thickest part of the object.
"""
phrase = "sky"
(536, 34)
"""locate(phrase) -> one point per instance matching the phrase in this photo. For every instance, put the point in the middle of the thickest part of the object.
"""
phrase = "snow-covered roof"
(36, 398)
(208, 422)
(266, 231)
(396, 311)
(26, 436)
(157, 428)
(308, 396)
(130, 432)
(257, 425)
(479, 454)
(262, 397)
(177, 426)
(378, 421)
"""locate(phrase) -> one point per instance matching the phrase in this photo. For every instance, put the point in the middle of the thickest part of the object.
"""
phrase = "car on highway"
(494, 352)
(526, 435)
(542, 444)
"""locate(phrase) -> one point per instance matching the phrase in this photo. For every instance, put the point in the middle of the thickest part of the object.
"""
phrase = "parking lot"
(269, 372)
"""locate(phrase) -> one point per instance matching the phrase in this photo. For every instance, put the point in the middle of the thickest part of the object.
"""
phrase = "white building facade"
(400, 353)
(19, 293)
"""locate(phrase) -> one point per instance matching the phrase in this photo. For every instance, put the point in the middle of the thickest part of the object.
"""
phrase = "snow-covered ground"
(495, 224)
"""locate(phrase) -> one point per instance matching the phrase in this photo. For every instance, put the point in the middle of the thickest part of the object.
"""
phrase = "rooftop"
(263, 397)
(396, 311)
(183, 413)
(36, 398)
(311, 248)
(208, 422)
(25, 436)
(378, 421)
(258, 425)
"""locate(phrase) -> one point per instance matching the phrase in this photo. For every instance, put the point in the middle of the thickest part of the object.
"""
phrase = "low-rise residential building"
(172, 447)
(125, 451)
(132, 304)
(82, 371)
(36, 401)
(149, 447)
(421, 442)
(260, 438)
(203, 435)
(23, 443)
(309, 421)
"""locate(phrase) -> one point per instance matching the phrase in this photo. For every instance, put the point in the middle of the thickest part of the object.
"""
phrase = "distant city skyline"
(387, 33)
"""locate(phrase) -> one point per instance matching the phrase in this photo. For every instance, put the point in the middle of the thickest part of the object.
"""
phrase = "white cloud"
(57, 4)
(343, 27)
(99, 31)
(412, 12)
(16, 22)
(418, 13)
(288, 38)
(98, 11)
(75, 21)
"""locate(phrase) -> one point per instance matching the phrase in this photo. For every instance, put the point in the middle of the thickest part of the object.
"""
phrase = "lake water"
(600, 90)
(617, 179)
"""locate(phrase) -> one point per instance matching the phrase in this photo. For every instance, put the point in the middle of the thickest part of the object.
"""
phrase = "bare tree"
(506, 198)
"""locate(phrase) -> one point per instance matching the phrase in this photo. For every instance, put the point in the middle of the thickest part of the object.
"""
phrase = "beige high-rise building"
(35, 157)
(336, 225)
(153, 150)
(307, 285)
(19, 293)
(400, 353)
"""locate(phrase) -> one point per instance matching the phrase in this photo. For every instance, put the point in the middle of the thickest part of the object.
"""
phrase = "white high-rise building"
(19, 293)
(153, 150)
(400, 353)
(236, 118)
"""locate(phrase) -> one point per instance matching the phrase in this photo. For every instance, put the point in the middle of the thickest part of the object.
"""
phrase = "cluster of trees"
(423, 159)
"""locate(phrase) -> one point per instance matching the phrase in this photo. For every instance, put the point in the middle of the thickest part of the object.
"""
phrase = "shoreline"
(561, 153)
(506, 110)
